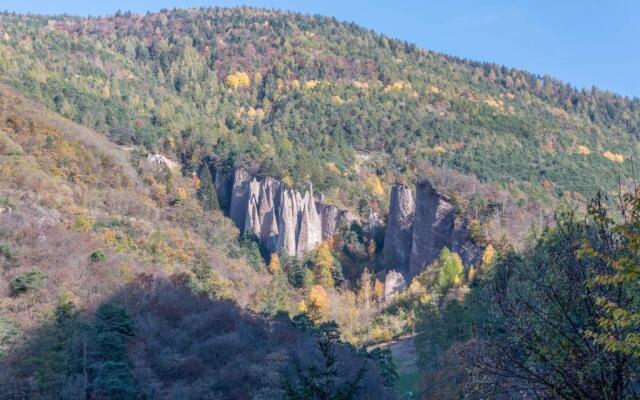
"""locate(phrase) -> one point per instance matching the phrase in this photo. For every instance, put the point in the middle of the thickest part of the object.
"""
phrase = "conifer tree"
(322, 380)
(207, 191)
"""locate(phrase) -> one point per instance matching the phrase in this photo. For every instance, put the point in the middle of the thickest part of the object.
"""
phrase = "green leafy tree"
(274, 296)
(450, 271)
(384, 358)
(549, 328)
(201, 267)
(619, 322)
(9, 334)
(251, 249)
(98, 256)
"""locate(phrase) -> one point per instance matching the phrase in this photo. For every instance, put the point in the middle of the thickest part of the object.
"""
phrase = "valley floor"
(405, 358)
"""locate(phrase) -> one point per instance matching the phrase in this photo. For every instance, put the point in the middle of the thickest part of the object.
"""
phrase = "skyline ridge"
(561, 43)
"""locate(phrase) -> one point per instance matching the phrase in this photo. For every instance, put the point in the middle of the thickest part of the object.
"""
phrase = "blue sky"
(584, 42)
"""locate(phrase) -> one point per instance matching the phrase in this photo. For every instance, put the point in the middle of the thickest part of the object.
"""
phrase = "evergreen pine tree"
(207, 191)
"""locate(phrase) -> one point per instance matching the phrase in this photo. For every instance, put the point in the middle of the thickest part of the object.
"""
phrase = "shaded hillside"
(301, 97)
(180, 346)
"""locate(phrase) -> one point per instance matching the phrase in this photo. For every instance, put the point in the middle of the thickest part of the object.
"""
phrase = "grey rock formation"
(252, 219)
(310, 225)
(346, 218)
(160, 162)
(374, 221)
(394, 282)
(330, 216)
(285, 219)
(436, 226)
(418, 230)
(287, 222)
(269, 193)
(398, 235)
(281, 218)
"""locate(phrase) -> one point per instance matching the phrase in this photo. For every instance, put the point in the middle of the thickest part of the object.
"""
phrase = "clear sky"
(584, 42)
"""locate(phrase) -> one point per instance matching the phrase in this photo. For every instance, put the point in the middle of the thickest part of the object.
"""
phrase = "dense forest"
(121, 277)
(303, 97)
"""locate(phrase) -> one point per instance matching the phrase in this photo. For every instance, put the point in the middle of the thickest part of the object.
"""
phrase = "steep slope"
(64, 183)
(92, 234)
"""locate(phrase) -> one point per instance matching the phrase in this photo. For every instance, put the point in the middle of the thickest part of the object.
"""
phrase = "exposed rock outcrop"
(281, 218)
(285, 219)
(394, 282)
(398, 236)
(418, 231)
(310, 225)
(161, 161)
(330, 217)
(223, 183)
(436, 226)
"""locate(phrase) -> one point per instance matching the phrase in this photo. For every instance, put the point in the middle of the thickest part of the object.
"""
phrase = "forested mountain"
(166, 181)
(300, 96)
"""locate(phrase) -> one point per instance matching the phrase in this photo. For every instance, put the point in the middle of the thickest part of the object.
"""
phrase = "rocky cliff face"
(398, 235)
(417, 232)
(281, 218)
(285, 219)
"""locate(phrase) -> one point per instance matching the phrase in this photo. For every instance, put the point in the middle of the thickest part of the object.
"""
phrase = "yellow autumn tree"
(237, 80)
(374, 184)
(274, 264)
(308, 85)
(471, 275)
(302, 307)
(378, 290)
(615, 157)
(288, 180)
(324, 265)
(366, 290)
(487, 257)
(584, 150)
(181, 194)
(318, 304)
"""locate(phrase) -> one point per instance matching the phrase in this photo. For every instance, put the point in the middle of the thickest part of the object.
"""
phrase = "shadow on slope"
(156, 339)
